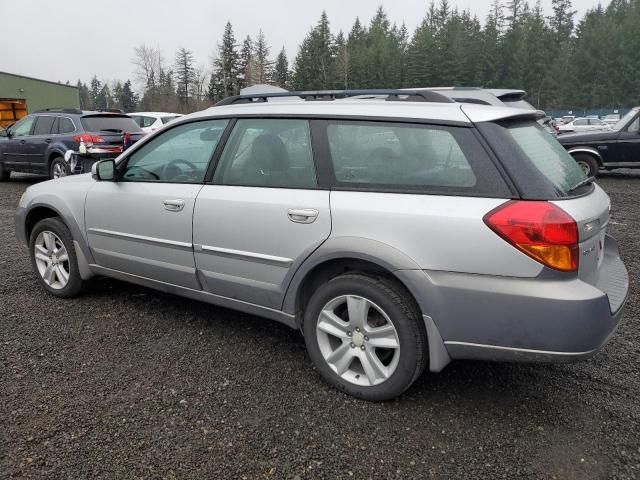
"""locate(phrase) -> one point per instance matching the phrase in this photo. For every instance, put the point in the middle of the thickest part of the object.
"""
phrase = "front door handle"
(302, 215)
(175, 205)
(48, 140)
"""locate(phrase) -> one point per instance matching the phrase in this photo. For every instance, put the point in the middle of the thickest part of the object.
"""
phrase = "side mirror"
(3, 133)
(104, 171)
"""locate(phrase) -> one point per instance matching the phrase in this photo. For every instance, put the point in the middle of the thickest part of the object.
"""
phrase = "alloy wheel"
(58, 170)
(52, 260)
(358, 340)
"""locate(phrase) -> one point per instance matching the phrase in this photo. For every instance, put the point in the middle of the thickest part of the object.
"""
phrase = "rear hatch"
(110, 133)
(541, 169)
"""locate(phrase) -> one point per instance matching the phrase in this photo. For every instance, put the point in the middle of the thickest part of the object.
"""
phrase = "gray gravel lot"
(125, 382)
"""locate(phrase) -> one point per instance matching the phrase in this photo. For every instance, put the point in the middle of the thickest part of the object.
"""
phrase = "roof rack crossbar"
(329, 95)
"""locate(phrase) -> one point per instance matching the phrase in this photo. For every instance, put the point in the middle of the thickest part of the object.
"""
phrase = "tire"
(388, 304)
(47, 238)
(58, 168)
(4, 174)
(588, 164)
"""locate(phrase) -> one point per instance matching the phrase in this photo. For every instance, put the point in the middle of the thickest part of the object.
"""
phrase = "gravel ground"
(125, 382)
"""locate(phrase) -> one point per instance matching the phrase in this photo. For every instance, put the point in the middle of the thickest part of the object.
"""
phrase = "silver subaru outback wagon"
(397, 232)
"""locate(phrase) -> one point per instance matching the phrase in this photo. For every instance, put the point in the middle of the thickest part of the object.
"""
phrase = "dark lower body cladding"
(83, 163)
(501, 318)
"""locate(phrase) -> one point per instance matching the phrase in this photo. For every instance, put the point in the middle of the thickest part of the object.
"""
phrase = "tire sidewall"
(405, 372)
(60, 229)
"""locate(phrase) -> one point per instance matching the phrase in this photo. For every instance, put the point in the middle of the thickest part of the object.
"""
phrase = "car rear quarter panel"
(437, 232)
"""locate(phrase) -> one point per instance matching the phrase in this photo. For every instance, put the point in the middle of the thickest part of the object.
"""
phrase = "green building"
(20, 95)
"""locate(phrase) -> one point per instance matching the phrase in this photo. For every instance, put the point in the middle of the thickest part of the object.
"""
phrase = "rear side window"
(109, 123)
(398, 156)
(168, 119)
(268, 153)
(547, 155)
(43, 125)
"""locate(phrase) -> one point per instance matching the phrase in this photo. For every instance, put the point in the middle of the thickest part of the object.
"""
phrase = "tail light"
(541, 230)
(88, 139)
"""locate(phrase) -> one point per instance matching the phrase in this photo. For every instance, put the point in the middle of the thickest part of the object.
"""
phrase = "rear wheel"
(58, 168)
(4, 173)
(588, 164)
(365, 336)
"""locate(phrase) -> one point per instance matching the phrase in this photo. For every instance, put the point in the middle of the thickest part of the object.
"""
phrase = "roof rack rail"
(329, 95)
(60, 110)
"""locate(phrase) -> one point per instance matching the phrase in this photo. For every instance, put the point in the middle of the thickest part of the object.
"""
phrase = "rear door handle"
(48, 140)
(302, 215)
(23, 142)
(175, 205)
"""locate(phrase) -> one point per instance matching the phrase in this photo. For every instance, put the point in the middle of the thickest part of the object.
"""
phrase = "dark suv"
(40, 142)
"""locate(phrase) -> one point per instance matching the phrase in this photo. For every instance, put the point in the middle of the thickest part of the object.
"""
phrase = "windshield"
(626, 119)
(548, 156)
(110, 123)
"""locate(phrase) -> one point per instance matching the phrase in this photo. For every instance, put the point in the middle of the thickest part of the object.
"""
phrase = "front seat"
(269, 163)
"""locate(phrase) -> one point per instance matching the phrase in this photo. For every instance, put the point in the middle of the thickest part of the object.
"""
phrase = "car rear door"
(629, 143)
(141, 224)
(262, 214)
(38, 142)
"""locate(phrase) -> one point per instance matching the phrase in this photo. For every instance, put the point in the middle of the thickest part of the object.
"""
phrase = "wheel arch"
(587, 151)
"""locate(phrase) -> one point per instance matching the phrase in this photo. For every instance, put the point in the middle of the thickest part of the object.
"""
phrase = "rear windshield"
(547, 155)
(110, 123)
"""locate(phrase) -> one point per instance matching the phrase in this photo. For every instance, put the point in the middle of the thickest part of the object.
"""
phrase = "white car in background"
(152, 121)
(583, 125)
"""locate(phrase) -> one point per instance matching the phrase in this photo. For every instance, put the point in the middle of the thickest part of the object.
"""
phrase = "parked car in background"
(152, 121)
(612, 118)
(38, 142)
(618, 147)
(566, 119)
(583, 125)
(397, 233)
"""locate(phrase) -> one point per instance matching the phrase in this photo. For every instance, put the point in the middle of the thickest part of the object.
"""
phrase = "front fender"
(587, 150)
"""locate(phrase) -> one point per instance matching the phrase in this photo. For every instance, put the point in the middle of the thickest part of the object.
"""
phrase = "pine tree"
(103, 100)
(84, 96)
(185, 74)
(246, 64)
(94, 92)
(264, 66)
(127, 98)
(226, 73)
(314, 67)
(282, 70)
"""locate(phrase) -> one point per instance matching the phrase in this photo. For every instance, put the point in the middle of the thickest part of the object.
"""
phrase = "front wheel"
(366, 336)
(53, 257)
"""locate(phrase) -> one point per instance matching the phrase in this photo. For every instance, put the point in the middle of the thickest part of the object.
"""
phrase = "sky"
(75, 39)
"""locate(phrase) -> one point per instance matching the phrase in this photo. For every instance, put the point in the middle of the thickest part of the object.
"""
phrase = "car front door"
(141, 224)
(263, 213)
(629, 143)
(15, 150)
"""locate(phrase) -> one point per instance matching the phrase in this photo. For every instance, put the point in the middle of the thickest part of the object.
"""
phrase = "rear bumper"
(516, 319)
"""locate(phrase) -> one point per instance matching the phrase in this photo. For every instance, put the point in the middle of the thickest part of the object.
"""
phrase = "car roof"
(373, 108)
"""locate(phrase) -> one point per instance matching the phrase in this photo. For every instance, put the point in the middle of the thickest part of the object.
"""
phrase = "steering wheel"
(130, 173)
(172, 170)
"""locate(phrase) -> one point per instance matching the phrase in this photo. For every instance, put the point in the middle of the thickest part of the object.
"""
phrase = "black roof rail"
(60, 110)
(329, 95)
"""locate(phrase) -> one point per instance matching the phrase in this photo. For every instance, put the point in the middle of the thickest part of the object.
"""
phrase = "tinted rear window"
(400, 156)
(547, 155)
(109, 123)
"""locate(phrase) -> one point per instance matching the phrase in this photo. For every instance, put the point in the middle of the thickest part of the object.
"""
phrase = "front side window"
(268, 153)
(580, 122)
(23, 127)
(635, 126)
(395, 155)
(179, 155)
